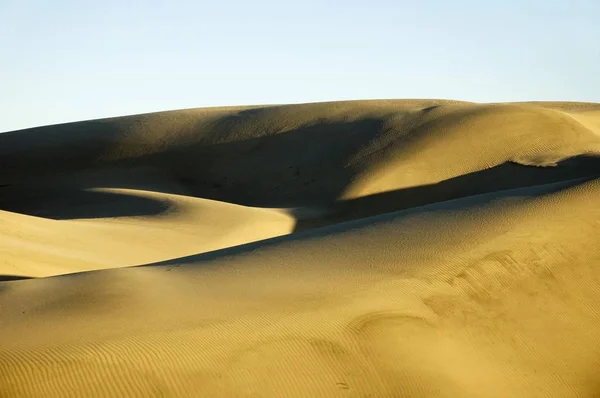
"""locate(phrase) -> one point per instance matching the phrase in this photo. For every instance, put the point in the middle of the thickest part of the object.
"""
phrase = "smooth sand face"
(420, 248)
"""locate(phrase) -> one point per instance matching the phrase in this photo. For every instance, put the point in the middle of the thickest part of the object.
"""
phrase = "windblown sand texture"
(406, 248)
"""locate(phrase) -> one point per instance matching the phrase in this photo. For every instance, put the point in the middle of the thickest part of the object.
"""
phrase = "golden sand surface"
(393, 248)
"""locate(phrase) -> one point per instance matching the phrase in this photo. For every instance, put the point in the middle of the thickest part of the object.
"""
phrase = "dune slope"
(418, 248)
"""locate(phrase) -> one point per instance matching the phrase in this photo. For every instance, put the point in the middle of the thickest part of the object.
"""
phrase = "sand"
(406, 248)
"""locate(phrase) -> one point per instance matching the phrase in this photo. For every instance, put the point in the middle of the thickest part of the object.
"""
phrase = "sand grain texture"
(408, 248)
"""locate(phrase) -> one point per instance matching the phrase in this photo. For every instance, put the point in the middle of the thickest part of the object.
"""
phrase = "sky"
(71, 60)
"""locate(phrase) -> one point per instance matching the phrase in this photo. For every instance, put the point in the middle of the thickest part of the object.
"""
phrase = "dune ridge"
(405, 248)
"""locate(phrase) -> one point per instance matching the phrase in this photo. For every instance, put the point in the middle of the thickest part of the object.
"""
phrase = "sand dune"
(34, 246)
(409, 248)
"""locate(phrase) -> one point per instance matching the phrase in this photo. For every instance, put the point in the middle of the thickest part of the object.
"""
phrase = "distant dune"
(394, 248)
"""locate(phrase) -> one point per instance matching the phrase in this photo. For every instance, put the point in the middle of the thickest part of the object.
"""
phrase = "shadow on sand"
(72, 203)
(373, 212)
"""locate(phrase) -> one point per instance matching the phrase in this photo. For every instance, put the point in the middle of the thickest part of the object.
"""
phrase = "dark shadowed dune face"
(398, 248)
(68, 203)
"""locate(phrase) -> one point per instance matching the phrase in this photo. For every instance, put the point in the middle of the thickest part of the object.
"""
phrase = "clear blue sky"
(68, 60)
